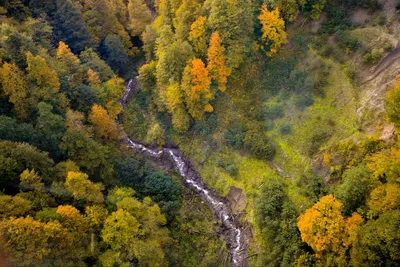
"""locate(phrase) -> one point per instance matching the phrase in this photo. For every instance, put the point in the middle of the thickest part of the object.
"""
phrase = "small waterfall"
(233, 234)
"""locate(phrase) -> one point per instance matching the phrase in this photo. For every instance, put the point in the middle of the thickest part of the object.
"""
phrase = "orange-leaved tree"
(196, 82)
(216, 61)
(273, 29)
(329, 234)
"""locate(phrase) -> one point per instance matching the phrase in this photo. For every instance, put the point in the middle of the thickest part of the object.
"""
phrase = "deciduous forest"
(280, 119)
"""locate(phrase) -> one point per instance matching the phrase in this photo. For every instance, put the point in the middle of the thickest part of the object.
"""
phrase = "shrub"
(273, 111)
(260, 145)
(286, 129)
(372, 57)
(303, 101)
(235, 134)
(348, 40)
(388, 46)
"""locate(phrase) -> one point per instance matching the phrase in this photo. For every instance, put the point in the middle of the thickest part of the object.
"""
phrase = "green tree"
(276, 216)
(91, 60)
(185, 15)
(233, 20)
(50, 129)
(69, 26)
(115, 53)
(378, 241)
(354, 189)
(392, 105)
(16, 157)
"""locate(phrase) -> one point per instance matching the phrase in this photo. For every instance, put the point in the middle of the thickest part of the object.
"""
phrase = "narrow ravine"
(231, 230)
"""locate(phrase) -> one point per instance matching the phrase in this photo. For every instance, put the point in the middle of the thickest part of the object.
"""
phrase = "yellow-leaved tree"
(174, 104)
(329, 234)
(82, 188)
(273, 30)
(14, 86)
(105, 127)
(216, 61)
(197, 35)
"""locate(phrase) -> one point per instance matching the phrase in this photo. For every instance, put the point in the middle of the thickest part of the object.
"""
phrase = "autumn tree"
(196, 83)
(105, 127)
(197, 35)
(233, 20)
(14, 206)
(330, 235)
(14, 86)
(114, 89)
(93, 79)
(216, 62)
(32, 189)
(139, 16)
(135, 231)
(174, 103)
(78, 144)
(40, 73)
(44, 83)
(185, 15)
(35, 243)
(273, 30)
(385, 165)
(70, 71)
(82, 188)
(384, 198)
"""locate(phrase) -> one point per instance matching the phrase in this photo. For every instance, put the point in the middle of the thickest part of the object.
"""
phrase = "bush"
(303, 101)
(380, 19)
(235, 134)
(260, 145)
(348, 40)
(207, 126)
(388, 46)
(392, 104)
(273, 111)
(232, 170)
(372, 57)
(286, 129)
